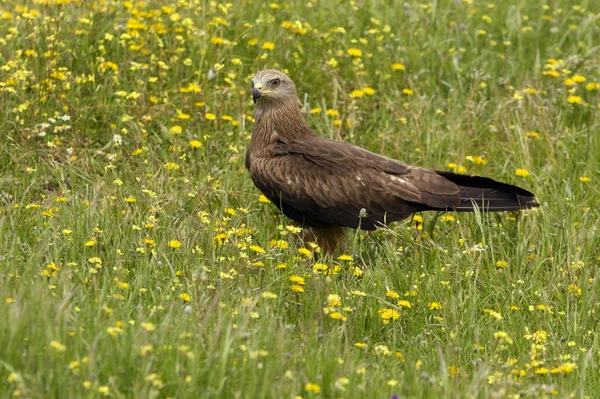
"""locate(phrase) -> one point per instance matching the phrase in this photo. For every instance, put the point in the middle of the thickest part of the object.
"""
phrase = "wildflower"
(195, 144)
(501, 264)
(403, 303)
(398, 67)
(210, 117)
(314, 388)
(319, 267)
(334, 300)
(104, 390)
(522, 172)
(357, 93)
(392, 294)
(175, 244)
(148, 326)
(298, 280)
(503, 337)
(381, 350)
(57, 346)
(354, 52)
(297, 288)
(435, 306)
(592, 86)
(345, 257)
(175, 130)
(368, 91)
(263, 199)
(389, 314)
(304, 251)
(533, 135)
(338, 316)
(185, 296)
(584, 179)
(258, 249)
(575, 100)
(408, 92)
(268, 46)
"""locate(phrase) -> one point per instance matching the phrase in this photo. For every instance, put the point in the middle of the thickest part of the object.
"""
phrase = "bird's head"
(273, 86)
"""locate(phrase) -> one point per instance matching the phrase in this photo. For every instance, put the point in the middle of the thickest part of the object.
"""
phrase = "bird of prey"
(327, 186)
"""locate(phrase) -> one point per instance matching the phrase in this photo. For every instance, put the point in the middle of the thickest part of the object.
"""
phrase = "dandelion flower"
(522, 172)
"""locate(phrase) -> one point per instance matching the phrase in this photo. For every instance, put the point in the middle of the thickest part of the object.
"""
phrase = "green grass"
(97, 298)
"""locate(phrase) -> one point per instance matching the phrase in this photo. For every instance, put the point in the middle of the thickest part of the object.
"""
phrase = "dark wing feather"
(323, 182)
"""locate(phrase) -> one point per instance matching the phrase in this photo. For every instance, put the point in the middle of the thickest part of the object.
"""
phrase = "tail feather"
(489, 195)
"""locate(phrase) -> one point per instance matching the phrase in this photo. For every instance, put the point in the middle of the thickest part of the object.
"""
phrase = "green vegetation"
(138, 260)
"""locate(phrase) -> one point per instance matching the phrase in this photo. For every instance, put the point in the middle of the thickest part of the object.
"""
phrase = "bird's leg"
(331, 239)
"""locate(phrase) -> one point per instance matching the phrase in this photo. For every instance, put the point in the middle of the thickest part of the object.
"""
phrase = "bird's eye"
(275, 82)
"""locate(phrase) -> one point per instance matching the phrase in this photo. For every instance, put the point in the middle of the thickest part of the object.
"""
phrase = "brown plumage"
(327, 185)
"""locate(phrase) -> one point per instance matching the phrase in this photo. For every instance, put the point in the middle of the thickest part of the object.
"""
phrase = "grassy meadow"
(137, 260)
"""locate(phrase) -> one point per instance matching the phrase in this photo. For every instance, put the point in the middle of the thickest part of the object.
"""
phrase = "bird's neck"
(284, 118)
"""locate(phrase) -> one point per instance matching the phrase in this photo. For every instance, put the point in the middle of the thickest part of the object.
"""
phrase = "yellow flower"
(186, 297)
(503, 336)
(357, 93)
(210, 117)
(297, 279)
(334, 300)
(404, 303)
(148, 327)
(268, 46)
(316, 110)
(314, 388)
(368, 91)
(392, 294)
(263, 199)
(585, 179)
(176, 130)
(398, 67)
(575, 100)
(408, 92)
(345, 257)
(522, 172)
(268, 295)
(297, 288)
(57, 346)
(304, 252)
(338, 316)
(130, 199)
(389, 314)
(501, 264)
(195, 144)
(354, 52)
(592, 86)
(360, 344)
(578, 79)
(174, 243)
(258, 249)
(435, 306)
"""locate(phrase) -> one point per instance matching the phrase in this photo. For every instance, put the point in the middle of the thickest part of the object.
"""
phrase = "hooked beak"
(256, 93)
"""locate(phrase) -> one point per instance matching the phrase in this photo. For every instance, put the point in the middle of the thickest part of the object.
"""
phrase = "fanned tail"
(489, 195)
